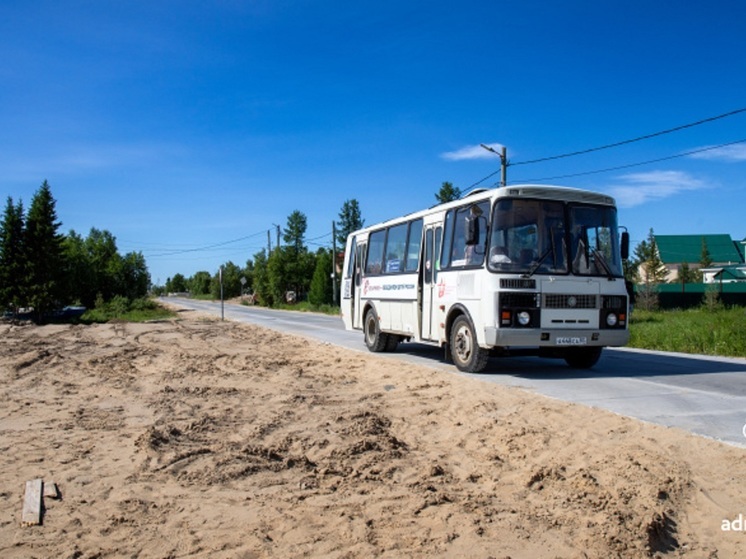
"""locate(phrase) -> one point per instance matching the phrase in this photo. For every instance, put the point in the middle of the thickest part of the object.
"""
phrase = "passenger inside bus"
(498, 255)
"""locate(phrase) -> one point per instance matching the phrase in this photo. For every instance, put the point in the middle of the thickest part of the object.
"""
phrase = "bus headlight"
(611, 319)
(523, 318)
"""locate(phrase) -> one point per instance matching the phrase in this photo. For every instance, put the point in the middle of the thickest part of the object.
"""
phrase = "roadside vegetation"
(305, 306)
(123, 309)
(43, 271)
(706, 331)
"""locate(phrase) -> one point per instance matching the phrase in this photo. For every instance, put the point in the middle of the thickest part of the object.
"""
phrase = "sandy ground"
(200, 438)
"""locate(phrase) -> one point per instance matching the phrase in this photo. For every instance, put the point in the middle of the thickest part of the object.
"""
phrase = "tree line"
(273, 273)
(43, 270)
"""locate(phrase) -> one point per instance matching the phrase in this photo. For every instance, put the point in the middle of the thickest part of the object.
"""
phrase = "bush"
(711, 300)
(121, 308)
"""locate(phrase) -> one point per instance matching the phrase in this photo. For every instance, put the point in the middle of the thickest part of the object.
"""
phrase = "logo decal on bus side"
(368, 287)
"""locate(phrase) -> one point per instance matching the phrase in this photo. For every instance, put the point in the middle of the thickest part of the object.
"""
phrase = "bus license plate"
(572, 340)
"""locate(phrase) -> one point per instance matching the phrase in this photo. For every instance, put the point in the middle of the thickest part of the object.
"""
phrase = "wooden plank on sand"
(32, 503)
(50, 490)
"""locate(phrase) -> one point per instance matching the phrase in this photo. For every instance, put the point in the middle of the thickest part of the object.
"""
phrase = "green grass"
(305, 306)
(120, 308)
(701, 331)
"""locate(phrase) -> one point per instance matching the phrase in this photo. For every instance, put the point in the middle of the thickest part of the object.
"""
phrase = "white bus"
(507, 271)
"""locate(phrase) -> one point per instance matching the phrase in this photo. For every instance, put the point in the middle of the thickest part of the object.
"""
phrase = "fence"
(688, 295)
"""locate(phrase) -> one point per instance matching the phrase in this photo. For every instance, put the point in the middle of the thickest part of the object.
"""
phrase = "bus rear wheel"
(465, 351)
(375, 340)
(583, 358)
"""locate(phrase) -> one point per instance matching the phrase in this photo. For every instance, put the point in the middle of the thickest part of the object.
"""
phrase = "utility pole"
(503, 167)
(503, 155)
(278, 235)
(334, 263)
(269, 243)
(222, 303)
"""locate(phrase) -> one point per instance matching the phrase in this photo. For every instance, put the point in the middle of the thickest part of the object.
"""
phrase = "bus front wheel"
(374, 338)
(583, 358)
(465, 351)
(392, 343)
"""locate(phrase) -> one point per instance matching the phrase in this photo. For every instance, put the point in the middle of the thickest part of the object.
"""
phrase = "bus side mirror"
(625, 245)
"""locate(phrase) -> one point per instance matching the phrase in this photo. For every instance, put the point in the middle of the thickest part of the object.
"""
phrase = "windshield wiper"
(602, 261)
(539, 262)
(551, 250)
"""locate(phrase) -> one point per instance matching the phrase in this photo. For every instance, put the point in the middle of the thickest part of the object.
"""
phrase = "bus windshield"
(551, 237)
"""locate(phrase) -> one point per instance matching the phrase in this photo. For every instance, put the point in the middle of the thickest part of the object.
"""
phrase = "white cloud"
(79, 159)
(640, 188)
(735, 152)
(472, 152)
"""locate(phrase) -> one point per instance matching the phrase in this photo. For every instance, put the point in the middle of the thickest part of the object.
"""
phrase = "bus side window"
(374, 264)
(395, 246)
(468, 251)
(413, 246)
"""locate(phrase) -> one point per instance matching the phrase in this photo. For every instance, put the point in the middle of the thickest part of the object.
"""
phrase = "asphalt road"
(703, 395)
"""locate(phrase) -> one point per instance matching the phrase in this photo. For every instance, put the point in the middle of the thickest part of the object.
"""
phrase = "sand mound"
(199, 438)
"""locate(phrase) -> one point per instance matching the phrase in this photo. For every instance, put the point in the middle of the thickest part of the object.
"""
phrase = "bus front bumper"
(536, 337)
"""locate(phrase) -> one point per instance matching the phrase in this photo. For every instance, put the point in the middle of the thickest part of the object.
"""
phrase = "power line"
(223, 244)
(624, 142)
(320, 237)
(617, 168)
(208, 247)
(480, 181)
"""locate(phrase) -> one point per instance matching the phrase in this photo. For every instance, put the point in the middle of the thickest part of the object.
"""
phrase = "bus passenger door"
(429, 279)
(357, 282)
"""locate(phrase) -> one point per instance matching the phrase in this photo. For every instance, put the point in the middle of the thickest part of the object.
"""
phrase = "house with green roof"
(724, 274)
(727, 256)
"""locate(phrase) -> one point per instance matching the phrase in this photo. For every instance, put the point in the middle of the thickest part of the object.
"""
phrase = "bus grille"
(517, 283)
(518, 300)
(553, 301)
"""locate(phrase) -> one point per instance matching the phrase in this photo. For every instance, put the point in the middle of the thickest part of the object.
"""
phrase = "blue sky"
(188, 129)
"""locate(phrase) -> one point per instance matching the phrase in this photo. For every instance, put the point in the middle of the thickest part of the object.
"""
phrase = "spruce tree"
(12, 258)
(321, 292)
(448, 193)
(705, 260)
(652, 272)
(295, 231)
(44, 253)
(350, 220)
